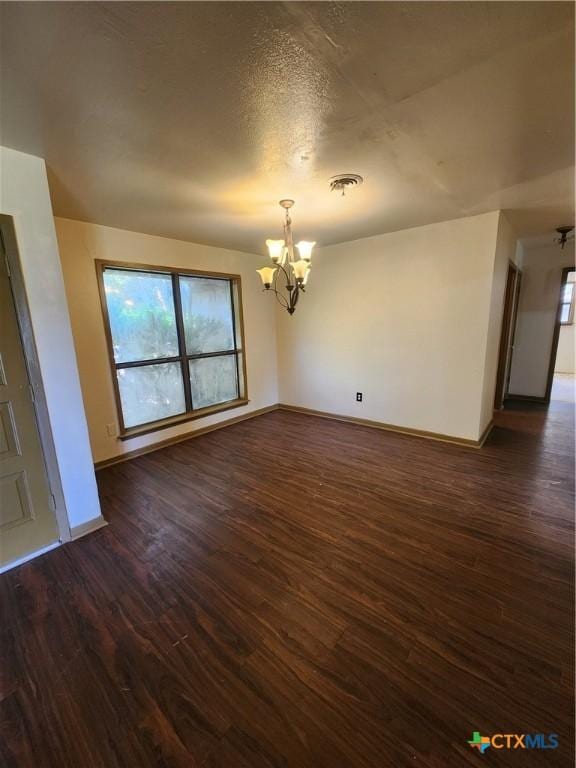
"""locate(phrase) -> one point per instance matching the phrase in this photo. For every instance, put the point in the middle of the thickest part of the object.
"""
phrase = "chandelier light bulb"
(275, 249)
(305, 249)
(300, 268)
(266, 275)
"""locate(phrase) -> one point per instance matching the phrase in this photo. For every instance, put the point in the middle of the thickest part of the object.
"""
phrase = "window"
(174, 339)
(567, 300)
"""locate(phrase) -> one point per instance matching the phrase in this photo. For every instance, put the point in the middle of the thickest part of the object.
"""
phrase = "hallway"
(371, 607)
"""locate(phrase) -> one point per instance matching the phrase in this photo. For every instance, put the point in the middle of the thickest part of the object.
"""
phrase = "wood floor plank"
(302, 593)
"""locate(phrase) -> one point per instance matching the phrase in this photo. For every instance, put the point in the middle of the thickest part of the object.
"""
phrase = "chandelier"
(287, 267)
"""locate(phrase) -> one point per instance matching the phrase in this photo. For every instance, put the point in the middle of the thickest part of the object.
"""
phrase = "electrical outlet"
(358, 397)
(111, 430)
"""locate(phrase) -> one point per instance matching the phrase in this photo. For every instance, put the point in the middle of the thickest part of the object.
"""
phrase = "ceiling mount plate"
(286, 203)
(343, 181)
(565, 236)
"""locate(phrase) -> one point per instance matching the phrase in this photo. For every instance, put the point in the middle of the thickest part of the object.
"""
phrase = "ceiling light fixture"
(295, 270)
(564, 233)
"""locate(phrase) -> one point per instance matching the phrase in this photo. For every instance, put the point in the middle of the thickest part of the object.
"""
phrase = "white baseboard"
(28, 557)
(92, 525)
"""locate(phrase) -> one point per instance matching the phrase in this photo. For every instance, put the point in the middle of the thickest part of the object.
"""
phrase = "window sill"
(155, 426)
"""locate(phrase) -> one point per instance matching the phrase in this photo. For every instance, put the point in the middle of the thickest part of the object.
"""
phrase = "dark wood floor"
(299, 592)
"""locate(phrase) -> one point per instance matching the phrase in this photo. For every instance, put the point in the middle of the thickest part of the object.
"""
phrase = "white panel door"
(27, 517)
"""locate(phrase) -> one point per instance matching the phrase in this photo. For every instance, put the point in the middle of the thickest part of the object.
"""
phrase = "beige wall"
(541, 277)
(410, 319)
(565, 354)
(80, 244)
(24, 195)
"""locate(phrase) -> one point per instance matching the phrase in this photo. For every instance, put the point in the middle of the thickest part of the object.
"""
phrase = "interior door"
(27, 513)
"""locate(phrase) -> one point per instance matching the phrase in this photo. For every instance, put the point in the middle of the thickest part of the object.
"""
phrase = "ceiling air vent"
(343, 181)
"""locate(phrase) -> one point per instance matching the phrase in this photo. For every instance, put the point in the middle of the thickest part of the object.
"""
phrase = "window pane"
(151, 392)
(564, 313)
(567, 294)
(207, 311)
(141, 311)
(213, 380)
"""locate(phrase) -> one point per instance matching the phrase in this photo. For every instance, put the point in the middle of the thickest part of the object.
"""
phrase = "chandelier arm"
(286, 273)
(275, 286)
(294, 297)
(281, 299)
(292, 300)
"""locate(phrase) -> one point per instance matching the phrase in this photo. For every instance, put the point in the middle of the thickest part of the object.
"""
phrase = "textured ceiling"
(192, 120)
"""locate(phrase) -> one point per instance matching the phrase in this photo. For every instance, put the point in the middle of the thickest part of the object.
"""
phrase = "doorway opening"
(540, 356)
(563, 371)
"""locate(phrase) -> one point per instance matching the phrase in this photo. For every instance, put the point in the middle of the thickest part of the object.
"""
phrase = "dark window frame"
(570, 303)
(239, 350)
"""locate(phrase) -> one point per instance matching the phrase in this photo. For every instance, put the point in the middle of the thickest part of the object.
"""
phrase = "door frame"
(556, 336)
(517, 289)
(9, 246)
(507, 333)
